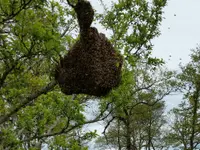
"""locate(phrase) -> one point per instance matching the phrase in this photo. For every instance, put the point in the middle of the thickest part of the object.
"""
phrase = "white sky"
(180, 32)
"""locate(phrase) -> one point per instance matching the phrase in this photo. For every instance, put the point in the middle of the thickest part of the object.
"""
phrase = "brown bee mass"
(92, 65)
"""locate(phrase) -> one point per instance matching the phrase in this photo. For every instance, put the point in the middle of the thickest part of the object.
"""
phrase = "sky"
(180, 32)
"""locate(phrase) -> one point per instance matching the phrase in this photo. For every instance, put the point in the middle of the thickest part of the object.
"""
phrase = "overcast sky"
(180, 31)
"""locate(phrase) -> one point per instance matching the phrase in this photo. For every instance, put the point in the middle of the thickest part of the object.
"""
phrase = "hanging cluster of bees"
(92, 66)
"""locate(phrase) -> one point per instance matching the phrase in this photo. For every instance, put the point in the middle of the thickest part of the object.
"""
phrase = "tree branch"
(108, 123)
(65, 130)
(29, 99)
(70, 4)
(104, 131)
(8, 70)
(12, 15)
(5, 74)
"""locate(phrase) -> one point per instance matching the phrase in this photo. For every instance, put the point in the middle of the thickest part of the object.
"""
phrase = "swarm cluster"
(92, 65)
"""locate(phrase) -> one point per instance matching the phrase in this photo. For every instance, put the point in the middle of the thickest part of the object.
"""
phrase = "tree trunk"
(194, 118)
(118, 134)
(128, 135)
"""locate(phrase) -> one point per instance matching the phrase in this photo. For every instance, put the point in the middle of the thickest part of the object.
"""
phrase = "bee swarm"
(92, 66)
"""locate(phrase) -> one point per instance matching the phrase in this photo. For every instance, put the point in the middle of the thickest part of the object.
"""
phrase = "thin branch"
(51, 134)
(152, 145)
(108, 123)
(144, 88)
(70, 4)
(16, 13)
(104, 6)
(66, 29)
(104, 131)
(63, 131)
(5, 74)
(29, 99)
(9, 70)
(196, 144)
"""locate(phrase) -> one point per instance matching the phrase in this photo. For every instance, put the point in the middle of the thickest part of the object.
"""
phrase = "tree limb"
(12, 15)
(29, 99)
(5, 74)
(65, 130)
(104, 131)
